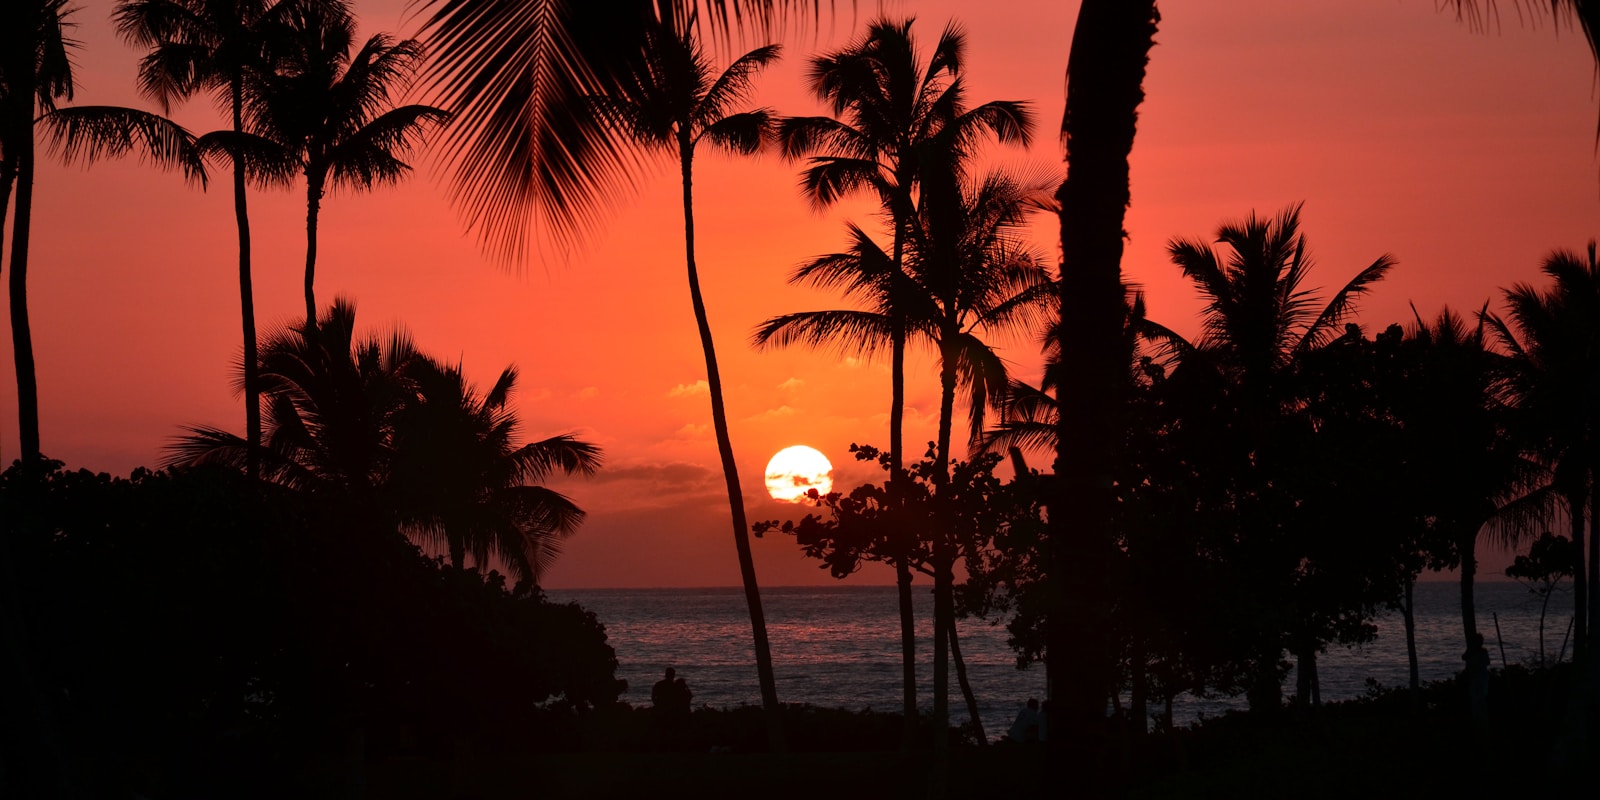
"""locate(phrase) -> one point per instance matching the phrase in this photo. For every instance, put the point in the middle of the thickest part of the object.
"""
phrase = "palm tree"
(1456, 439)
(518, 77)
(673, 103)
(35, 72)
(388, 441)
(1105, 74)
(332, 110)
(977, 274)
(464, 482)
(215, 45)
(896, 123)
(1259, 325)
(1552, 337)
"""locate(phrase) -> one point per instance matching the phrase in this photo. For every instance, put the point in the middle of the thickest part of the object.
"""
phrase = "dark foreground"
(1377, 746)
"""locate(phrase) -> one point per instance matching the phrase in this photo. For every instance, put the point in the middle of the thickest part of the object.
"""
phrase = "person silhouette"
(669, 699)
(1476, 677)
(1027, 725)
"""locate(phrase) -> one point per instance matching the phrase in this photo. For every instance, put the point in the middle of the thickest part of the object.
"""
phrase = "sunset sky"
(1466, 155)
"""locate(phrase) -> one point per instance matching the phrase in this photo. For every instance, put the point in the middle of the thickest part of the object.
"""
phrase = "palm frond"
(90, 133)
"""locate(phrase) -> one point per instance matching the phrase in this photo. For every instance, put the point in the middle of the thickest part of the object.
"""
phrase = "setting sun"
(796, 470)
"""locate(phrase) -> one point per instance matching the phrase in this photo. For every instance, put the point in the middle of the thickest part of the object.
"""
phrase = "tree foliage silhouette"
(332, 110)
(386, 440)
(670, 105)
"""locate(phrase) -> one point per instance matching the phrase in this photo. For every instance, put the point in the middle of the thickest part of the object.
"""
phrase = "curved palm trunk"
(247, 303)
(1105, 72)
(21, 332)
(730, 469)
(966, 685)
(902, 567)
(313, 210)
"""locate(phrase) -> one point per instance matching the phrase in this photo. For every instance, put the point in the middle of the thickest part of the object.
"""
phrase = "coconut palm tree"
(1456, 434)
(1259, 325)
(1105, 74)
(463, 482)
(334, 111)
(977, 275)
(1553, 370)
(36, 72)
(897, 122)
(673, 103)
(388, 441)
(215, 45)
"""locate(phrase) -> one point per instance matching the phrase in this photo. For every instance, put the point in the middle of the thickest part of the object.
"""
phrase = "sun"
(796, 470)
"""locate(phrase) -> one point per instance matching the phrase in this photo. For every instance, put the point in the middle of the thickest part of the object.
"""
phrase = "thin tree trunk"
(1105, 72)
(247, 303)
(943, 548)
(966, 686)
(730, 471)
(1594, 571)
(897, 409)
(908, 655)
(1408, 613)
(1580, 583)
(313, 209)
(21, 332)
(1468, 548)
(1139, 695)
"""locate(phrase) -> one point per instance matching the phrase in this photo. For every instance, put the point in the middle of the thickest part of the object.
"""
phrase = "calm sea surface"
(839, 646)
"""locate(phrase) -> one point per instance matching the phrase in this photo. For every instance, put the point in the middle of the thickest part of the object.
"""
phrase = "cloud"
(587, 393)
(669, 484)
(781, 412)
(791, 384)
(698, 388)
(538, 394)
(676, 472)
(691, 431)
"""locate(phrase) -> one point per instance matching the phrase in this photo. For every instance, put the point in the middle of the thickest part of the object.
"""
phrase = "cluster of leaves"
(186, 628)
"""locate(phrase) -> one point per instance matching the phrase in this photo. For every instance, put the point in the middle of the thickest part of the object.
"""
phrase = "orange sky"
(1468, 156)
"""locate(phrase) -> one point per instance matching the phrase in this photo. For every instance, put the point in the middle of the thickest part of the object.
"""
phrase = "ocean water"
(839, 647)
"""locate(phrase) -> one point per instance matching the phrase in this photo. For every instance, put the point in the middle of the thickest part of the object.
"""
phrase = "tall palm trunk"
(943, 548)
(1467, 545)
(1580, 582)
(247, 303)
(313, 210)
(902, 567)
(21, 332)
(730, 469)
(1105, 73)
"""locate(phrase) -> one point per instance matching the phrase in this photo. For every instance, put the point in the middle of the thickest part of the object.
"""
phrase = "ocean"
(839, 647)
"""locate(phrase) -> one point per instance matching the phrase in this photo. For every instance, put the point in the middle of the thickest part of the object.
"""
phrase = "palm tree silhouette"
(518, 75)
(976, 274)
(35, 72)
(390, 441)
(897, 123)
(1552, 369)
(1105, 74)
(671, 104)
(463, 482)
(332, 110)
(1455, 425)
(1258, 325)
(215, 45)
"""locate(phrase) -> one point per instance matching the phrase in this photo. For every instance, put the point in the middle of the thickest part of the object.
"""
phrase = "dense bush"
(181, 629)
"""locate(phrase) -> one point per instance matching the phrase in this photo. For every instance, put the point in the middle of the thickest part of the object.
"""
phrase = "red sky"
(1468, 156)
